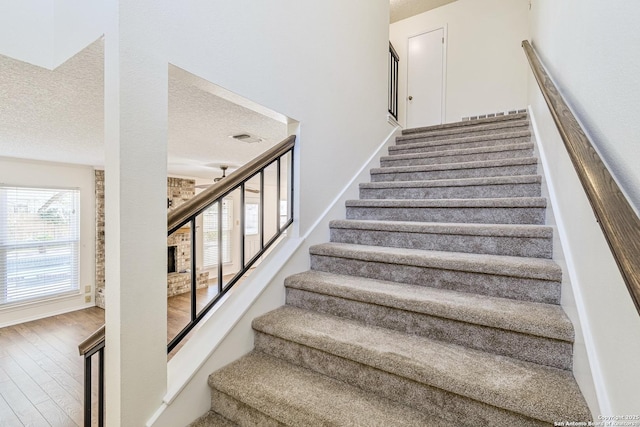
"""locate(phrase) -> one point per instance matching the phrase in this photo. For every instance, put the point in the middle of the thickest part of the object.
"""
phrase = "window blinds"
(210, 233)
(39, 242)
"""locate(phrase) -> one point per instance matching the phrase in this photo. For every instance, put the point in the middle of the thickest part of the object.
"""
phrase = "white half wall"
(46, 174)
(485, 67)
(229, 325)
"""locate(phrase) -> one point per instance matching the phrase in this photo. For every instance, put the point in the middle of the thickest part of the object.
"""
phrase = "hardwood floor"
(41, 373)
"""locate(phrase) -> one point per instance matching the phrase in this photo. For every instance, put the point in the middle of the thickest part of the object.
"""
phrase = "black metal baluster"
(278, 226)
(220, 245)
(101, 388)
(242, 230)
(261, 210)
(87, 390)
(290, 216)
(193, 270)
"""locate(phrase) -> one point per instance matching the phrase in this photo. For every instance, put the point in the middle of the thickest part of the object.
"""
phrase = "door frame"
(443, 103)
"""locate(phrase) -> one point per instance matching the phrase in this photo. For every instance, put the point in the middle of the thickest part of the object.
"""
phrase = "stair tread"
(529, 389)
(460, 151)
(468, 229)
(522, 267)
(297, 396)
(476, 164)
(544, 320)
(457, 182)
(487, 127)
(460, 140)
(505, 202)
(464, 123)
(211, 419)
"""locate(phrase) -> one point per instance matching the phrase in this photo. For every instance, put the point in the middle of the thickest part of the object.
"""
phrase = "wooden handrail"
(92, 341)
(619, 222)
(181, 215)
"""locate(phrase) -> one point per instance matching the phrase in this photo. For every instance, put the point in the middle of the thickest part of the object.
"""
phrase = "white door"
(425, 88)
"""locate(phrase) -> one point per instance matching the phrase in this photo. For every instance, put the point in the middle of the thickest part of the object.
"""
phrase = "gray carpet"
(435, 302)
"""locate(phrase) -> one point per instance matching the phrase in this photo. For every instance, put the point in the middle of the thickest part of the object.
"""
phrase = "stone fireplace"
(178, 244)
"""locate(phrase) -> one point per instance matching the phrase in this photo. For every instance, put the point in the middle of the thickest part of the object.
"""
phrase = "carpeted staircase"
(434, 304)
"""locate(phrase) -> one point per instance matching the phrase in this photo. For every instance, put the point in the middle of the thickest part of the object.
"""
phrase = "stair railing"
(394, 59)
(89, 348)
(186, 214)
(618, 220)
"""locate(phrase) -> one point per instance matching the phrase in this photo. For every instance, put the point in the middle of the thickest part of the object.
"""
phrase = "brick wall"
(178, 191)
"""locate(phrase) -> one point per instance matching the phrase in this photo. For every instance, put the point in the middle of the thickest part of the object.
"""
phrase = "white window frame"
(27, 274)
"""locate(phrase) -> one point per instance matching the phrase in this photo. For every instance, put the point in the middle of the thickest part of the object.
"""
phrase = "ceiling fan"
(224, 175)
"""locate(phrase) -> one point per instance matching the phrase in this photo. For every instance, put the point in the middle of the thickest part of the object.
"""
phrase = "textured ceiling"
(402, 9)
(58, 116)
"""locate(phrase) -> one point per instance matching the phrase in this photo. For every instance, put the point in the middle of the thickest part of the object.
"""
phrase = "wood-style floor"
(41, 373)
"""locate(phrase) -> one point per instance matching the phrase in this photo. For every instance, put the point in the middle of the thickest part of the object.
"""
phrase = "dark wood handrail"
(619, 222)
(182, 214)
(91, 342)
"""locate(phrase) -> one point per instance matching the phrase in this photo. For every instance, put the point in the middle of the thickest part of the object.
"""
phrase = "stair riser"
(459, 410)
(468, 192)
(238, 412)
(461, 133)
(390, 161)
(455, 173)
(544, 351)
(456, 145)
(494, 245)
(469, 124)
(524, 289)
(488, 215)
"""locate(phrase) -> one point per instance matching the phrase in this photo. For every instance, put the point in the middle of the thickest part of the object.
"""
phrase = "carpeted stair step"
(518, 210)
(457, 156)
(524, 279)
(497, 239)
(461, 142)
(462, 385)
(467, 123)
(261, 390)
(534, 332)
(211, 419)
(476, 169)
(457, 132)
(486, 187)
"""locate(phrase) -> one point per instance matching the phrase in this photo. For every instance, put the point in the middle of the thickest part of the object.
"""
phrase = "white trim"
(44, 303)
(594, 363)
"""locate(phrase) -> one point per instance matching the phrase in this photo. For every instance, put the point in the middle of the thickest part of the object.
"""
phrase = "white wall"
(322, 63)
(26, 31)
(77, 24)
(32, 173)
(485, 65)
(598, 74)
(48, 32)
(591, 49)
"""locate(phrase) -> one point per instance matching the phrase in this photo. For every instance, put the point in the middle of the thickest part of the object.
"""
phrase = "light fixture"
(246, 137)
